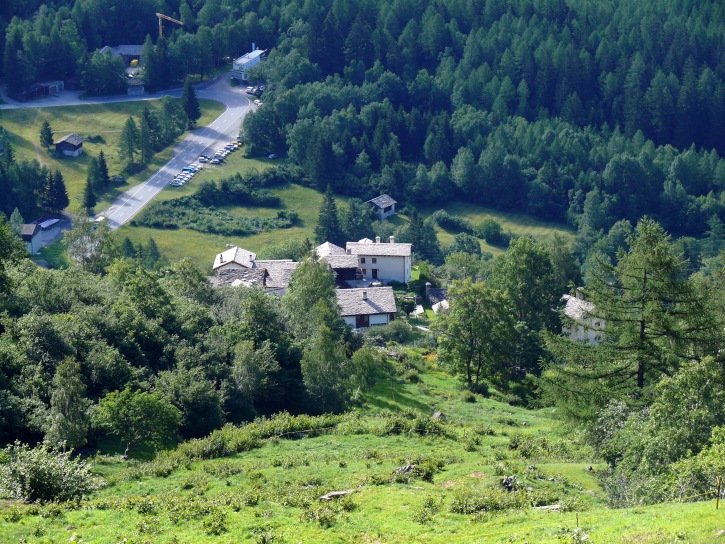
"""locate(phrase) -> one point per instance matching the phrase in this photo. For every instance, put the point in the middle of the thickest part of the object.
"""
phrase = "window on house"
(365, 272)
(374, 260)
(362, 260)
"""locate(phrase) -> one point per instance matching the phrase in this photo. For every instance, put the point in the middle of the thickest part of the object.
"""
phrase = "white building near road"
(384, 262)
(245, 62)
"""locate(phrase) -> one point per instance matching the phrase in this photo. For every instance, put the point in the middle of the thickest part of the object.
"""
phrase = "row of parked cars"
(188, 172)
(185, 175)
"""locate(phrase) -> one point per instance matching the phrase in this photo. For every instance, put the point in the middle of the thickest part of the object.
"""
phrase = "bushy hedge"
(452, 222)
(42, 474)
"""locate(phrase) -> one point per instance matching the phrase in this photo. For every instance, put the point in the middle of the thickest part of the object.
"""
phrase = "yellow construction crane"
(161, 16)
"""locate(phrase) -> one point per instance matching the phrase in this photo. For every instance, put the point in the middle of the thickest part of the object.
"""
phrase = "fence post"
(719, 486)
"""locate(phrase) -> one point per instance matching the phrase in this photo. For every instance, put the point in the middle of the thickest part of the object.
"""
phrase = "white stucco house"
(366, 307)
(579, 323)
(245, 62)
(384, 262)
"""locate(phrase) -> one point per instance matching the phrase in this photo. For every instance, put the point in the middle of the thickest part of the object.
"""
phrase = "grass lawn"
(100, 125)
(515, 222)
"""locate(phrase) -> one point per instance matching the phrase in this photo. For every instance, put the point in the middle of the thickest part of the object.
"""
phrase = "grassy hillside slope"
(269, 491)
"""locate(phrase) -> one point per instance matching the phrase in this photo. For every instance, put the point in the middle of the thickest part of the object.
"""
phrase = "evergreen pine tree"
(58, 193)
(190, 103)
(328, 224)
(93, 177)
(104, 179)
(46, 135)
(151, 254)
(89, 197)
(144, 142)
(128, 146)
(127, 248)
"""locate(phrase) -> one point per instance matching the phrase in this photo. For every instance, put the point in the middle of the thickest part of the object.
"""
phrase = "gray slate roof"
(382, 201)
(126, 50)
(328, 248)
(380, 300)
(341, 261)
(240, 276)
(236, 255)
(436, 296)
(379, 250)
(72, 139)
(29, 230)
(280, 272)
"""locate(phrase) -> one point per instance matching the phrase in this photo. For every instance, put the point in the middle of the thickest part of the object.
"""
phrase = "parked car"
(118, 179)
(215, 161)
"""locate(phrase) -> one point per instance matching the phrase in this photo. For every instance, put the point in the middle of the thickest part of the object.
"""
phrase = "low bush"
(43, 474)
(452, 222)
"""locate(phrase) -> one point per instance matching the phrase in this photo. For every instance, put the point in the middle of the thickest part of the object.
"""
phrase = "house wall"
(350, 320)
(72, 152)
(379, 319)
(591, 333)
(229, 266)
(389, 268)
(384, 214)
(35, 244)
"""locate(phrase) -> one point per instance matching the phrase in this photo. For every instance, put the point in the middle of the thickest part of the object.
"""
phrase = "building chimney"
(377, 239)
(365, 295)
(427, 290)
(254, 46)
(392, 239)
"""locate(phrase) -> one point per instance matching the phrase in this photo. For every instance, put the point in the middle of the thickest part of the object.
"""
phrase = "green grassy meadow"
(100, 125)
(270, 493)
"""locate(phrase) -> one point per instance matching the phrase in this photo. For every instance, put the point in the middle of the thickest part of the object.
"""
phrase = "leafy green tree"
(137, 418)
(463, 242)
(90, 245)
(129, 143)
(68, 420)
(312, 286)
(46, 135)
(255, 371)
(103, 74)
(477, 335)
(198, 400)
(328, 222)
(190, 103)
(16, 222)
(323, 370)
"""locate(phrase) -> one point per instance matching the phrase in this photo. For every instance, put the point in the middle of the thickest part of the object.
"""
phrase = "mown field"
(201, 248)
(100, 125)
(263, 483)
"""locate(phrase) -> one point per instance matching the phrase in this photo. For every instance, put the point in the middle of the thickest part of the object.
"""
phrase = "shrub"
(43, 474)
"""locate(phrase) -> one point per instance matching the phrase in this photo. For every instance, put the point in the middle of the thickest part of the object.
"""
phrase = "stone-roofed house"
(234, 277)
(345, 266)
(580, 325)
(383, 262)
(365, 307)
(128, 53)
(71, 145)
(437, 298)
(32, 235)
(383, 205)
(234, 257)
(277, 273)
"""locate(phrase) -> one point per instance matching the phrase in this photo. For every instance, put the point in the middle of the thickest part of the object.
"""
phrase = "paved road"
(223, 129)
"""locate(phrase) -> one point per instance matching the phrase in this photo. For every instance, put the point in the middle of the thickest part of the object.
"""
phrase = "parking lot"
(192, 169)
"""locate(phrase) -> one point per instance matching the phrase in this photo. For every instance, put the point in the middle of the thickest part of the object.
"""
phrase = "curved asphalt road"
(223, 129)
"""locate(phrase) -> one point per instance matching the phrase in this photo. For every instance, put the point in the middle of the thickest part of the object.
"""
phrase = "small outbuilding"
(383, 205)
(361, 308)
(71, 145)
(32, 236)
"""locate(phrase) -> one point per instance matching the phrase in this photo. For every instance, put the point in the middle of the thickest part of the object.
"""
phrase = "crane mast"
(161, 17)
